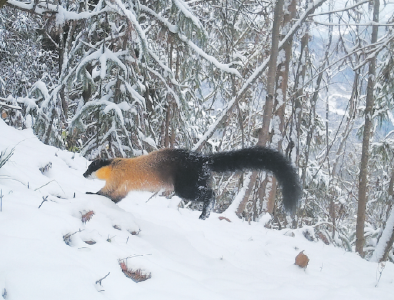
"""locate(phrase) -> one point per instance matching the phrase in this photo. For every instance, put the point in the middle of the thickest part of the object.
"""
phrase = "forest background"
(313, 79)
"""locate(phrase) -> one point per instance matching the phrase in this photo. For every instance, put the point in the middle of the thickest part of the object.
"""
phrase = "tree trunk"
(311, 124)
(386, 241)
(269, 101)
(349, 122)
(167, 126)
(368, 126)
(282, 78)
(50, 127)
(299, 92)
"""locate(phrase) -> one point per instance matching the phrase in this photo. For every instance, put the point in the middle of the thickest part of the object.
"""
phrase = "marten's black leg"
(101, 193)
(208, 199)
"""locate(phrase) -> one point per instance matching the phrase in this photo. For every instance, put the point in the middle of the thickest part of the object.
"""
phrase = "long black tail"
(260, 158)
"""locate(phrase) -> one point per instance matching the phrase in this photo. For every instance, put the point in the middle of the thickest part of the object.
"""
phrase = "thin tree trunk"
(269, 101)
(272, 67)
(299, 92)
(312, 125)
(167, 126)
(349, 122)
(282, 78)
(166, 138)
(173, 124)
(368, 126)
(50, 127)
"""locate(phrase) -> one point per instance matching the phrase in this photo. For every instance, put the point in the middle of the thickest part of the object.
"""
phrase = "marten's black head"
(96, 165)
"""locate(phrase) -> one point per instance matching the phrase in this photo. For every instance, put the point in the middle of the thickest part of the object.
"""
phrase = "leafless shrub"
(46, 168)
(67, 237)
(5, 156)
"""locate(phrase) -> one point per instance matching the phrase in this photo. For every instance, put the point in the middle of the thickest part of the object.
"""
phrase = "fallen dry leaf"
(87, 216)
(224, 218)
(90, 242)
(301, 260)
(135, 275)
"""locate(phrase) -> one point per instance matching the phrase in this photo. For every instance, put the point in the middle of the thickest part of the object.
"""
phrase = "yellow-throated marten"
(188, 173)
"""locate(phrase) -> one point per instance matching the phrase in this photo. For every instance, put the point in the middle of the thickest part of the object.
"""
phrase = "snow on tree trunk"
(386, 241)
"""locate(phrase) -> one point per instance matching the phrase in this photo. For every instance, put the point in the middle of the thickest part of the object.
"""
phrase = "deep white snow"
(187, 258)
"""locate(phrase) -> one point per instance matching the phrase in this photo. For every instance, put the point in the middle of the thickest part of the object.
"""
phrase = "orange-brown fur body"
(133, 174)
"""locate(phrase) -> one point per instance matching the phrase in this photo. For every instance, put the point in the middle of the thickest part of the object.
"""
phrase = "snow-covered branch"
(341, 9)
(354, 24)
(62, 14)
(40, 8)
(9, 105)
(175, 29)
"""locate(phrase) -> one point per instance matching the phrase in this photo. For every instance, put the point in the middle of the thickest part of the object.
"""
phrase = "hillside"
(48, 251)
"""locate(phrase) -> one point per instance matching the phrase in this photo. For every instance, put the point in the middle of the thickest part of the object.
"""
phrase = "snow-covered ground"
(44, 254)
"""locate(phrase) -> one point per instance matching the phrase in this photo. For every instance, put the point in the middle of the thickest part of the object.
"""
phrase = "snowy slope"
(186, 257)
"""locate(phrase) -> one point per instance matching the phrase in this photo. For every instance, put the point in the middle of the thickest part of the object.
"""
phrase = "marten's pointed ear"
(96, 165)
